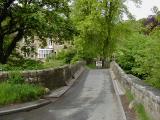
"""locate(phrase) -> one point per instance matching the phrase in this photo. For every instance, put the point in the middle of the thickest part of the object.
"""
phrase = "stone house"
(34, 49)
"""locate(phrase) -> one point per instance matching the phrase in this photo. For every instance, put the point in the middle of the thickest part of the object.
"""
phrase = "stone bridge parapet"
(50, 78)
(143, 93)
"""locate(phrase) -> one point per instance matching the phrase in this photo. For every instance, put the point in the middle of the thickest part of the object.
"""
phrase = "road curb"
(37, 104)
(117, 94)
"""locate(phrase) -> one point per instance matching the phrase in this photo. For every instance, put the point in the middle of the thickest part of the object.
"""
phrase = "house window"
(50, 43)
(44, 53)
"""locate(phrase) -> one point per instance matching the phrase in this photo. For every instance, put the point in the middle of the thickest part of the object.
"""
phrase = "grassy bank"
(17, 93)
(15, 90)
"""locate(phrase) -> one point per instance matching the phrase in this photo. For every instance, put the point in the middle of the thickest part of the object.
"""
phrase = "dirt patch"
(130, 113)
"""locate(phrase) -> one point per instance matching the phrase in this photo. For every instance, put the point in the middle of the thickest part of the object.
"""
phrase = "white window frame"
(44, 53)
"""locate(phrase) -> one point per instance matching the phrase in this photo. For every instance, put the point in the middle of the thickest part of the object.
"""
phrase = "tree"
(152, 21)
(98, 24)
(139, 54)
(27, 18)
(155, 10)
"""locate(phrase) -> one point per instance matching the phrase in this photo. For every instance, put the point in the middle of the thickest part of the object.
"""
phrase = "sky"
(145, 8)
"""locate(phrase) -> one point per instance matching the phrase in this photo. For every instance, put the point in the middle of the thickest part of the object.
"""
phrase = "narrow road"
(91, 98)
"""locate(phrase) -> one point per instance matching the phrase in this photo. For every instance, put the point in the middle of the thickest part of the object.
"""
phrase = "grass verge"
(17, 93)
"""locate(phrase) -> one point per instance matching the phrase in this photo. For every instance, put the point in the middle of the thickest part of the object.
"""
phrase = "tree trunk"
(3, 59)
(4, 54)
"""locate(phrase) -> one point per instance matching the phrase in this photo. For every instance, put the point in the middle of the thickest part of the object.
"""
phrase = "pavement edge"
(25, 108)
(117, 94)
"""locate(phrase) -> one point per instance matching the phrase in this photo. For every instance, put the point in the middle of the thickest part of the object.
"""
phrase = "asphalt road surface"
(91, 98)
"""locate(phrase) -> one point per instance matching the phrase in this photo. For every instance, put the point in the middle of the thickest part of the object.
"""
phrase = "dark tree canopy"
(27, 18)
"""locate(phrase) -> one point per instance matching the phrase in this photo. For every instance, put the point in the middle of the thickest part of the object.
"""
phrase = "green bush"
(75, 59)
(66, 55)
(17, 93)
(8, 67)
(132, 55)
(61, 55)
(139, 54)
(29, 64)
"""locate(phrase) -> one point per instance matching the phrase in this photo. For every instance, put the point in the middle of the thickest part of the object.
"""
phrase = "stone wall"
(50, 78)
(144, 94)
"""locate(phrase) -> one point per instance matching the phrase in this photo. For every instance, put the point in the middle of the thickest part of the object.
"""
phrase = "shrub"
(75, 59)
(69, 56)
(66, 55)
(61, 55)
(31, 64)
(8, 67)
(140, 56)
(132, 55)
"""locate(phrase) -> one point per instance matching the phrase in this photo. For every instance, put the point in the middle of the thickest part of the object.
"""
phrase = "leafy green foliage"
(75, 59)
(132, 56)
(139, 54)
(98, 25)
(66, 55)
(17, 93)
(23, 64)
(26, 19)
